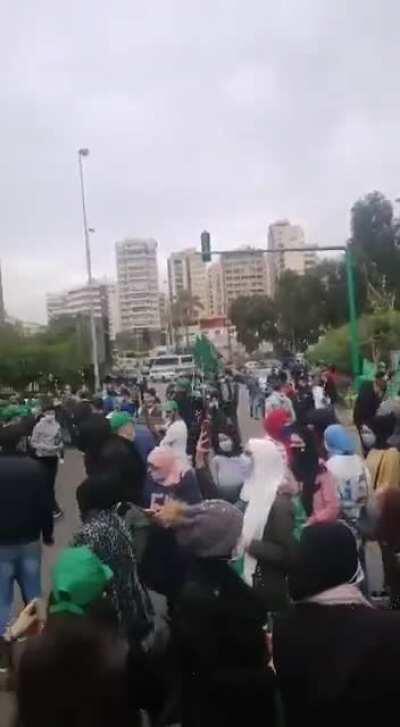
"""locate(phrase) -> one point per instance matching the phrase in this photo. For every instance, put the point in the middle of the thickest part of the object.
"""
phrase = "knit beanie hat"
(170, 406)
(327, 558)
(120, 419)
(79, 578)
(210, 529)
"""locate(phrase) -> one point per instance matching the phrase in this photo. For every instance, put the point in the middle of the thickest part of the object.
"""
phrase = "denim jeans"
(20, 563)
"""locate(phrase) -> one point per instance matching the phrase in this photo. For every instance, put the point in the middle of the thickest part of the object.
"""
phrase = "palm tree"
(185, 311)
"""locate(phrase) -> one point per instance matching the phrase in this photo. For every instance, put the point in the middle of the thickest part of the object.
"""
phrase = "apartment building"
(215, 283)
(137, 274)
(281, 236)
(186, 271)
(244, 273)
(79, 300)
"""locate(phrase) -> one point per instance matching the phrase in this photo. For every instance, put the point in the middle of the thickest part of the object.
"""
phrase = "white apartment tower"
(283, 235)
(244, 273)
(137, 273)
(186, 271)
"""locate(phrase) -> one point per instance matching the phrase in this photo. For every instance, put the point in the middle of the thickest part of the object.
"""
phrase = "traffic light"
(205, 247)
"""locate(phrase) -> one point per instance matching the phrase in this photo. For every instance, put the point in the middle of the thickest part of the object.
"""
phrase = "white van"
(166, 368)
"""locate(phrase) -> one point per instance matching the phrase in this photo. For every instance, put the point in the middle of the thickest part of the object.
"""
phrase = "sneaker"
(57, 513)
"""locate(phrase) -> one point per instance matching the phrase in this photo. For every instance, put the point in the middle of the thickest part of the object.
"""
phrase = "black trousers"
(50, 466)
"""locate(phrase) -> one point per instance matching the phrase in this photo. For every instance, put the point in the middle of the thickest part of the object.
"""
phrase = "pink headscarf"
(169, 465)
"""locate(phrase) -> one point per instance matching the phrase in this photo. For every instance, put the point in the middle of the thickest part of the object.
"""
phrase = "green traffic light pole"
(354, 340)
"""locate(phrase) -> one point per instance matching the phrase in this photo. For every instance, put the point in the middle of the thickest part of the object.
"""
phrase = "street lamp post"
(95, 359)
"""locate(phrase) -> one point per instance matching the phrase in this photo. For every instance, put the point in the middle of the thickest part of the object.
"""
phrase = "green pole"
(355, 348)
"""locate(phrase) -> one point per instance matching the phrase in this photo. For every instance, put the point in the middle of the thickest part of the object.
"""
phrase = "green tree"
(300, 305)
(374, 238)
(255, 318)
(379, 335)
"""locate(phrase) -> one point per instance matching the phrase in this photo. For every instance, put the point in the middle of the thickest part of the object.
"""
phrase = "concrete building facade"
(215, 283)
(186, 271)
(137, 274)
(283, 235)
(244, 273)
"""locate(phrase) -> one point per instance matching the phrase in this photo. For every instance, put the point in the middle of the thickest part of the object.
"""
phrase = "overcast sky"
(217, 114)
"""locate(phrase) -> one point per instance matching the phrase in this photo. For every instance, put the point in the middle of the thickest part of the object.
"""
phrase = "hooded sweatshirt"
(46, 437)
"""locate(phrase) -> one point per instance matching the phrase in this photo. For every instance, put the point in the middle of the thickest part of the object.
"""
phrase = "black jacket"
(218, 627)
(337, 664)
(367, 404)
(25, 502)
(276, 554)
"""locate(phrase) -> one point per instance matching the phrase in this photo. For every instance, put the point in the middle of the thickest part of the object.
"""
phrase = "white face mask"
(50, 416)
(226, 445)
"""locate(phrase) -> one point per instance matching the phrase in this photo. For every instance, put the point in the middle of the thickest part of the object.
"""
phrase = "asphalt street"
(71, 473)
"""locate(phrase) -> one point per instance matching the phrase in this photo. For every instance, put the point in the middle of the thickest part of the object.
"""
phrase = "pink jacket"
(326, 505)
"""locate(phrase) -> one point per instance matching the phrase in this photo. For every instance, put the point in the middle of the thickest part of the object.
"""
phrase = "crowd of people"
(212, 581)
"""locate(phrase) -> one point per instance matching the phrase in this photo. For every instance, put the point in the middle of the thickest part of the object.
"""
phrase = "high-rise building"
(186, 271)
(76, 303)
(114, 317)
(244, 273)
(137, 273)
(216, 303)
(56, 305)
(2, 306)
(283, 235)
(78, 300)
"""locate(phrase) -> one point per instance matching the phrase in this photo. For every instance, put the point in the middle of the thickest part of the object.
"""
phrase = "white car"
(163, 376)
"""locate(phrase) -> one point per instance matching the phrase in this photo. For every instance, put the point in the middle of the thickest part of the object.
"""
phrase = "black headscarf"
(306, 467)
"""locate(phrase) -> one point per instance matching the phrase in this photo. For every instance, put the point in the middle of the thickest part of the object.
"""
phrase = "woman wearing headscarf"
(169, 477)
(164, 564)
(108, 536)
(336, 657)
(350, 473)
(268, 526)
(318, 491)
(217, 622)
(226, 465)
(276, 425)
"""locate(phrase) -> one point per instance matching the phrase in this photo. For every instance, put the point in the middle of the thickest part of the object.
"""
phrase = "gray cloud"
(208, 113)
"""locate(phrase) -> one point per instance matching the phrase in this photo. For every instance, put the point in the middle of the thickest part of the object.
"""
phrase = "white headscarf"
(268, 472)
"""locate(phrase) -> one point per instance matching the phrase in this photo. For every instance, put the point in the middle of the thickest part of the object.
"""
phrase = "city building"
(114, 318)
(2, 306)
(216, 303)
(76, 303)
(137, 274)
(283, 235)
(78, 300)
(244, 273)
(56, 305)
(186, 271)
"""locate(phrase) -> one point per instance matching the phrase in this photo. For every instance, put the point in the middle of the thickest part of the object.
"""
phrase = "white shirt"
(176, 438)
(321, 400)
(353, 481)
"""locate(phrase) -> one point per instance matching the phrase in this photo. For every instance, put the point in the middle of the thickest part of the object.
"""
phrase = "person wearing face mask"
(47, 447)
(163, 566)
(176, 434)
(228, 468)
